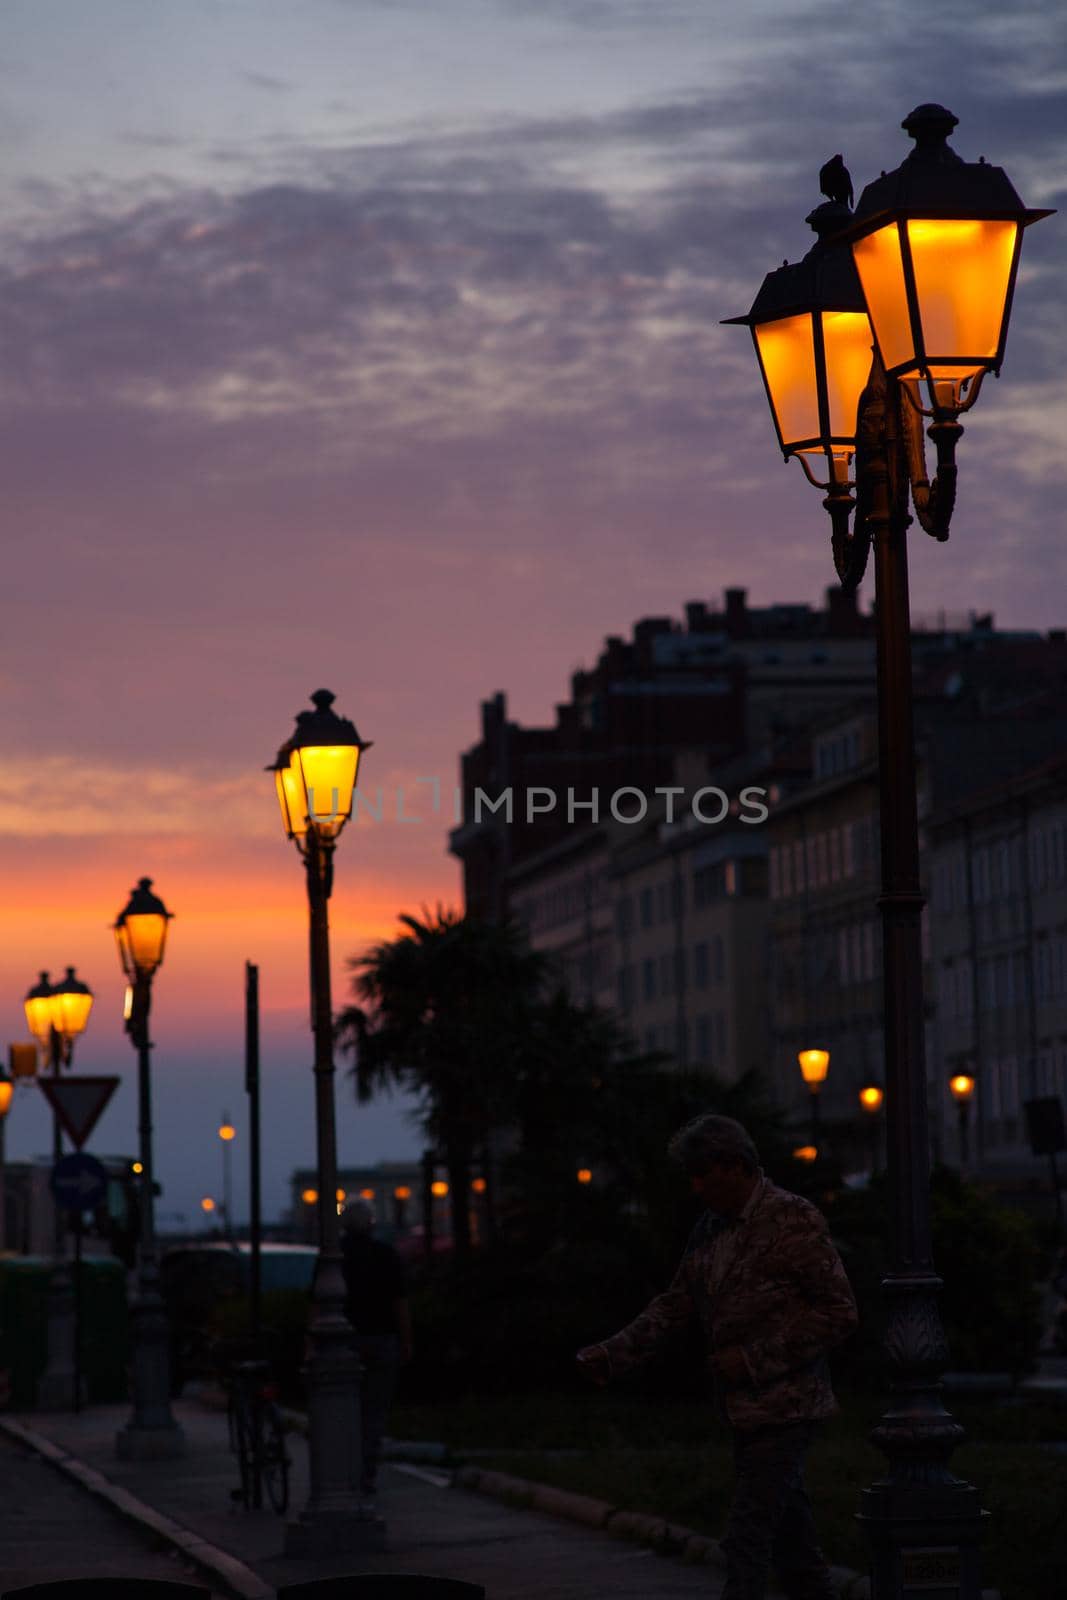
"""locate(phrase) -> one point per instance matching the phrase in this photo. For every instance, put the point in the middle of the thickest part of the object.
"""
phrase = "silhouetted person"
(376, 1306)
(763, 1281)
(835, 181)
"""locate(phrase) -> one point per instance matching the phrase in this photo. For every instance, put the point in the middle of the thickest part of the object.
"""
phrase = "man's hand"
(594, 1364)
(730, 1364)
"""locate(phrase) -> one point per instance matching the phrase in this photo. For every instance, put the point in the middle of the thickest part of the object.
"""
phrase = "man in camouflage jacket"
(767, 1288)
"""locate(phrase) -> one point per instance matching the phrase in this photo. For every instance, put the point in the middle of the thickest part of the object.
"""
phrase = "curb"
(655, 1532)
(225, 1570)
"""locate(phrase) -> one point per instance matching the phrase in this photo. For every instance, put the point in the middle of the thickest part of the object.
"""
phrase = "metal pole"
(54, 1384)
(332, 1521)
(151, 1433)
(252, 1089)
(965, 1142)
(924, 1524)
(77, 1311)
(3, 1185)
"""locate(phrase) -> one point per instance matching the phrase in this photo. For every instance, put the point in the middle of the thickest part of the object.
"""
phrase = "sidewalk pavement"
(517, 1553)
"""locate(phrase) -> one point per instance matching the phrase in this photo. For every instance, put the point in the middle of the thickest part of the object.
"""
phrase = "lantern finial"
(930, 125)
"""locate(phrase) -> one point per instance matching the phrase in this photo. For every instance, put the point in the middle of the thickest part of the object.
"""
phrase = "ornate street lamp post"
(814, 1065)
(7, 1088)
(57, 1014)
(961, 1087)
(931, 256)
(151, 1433)
(315, 772)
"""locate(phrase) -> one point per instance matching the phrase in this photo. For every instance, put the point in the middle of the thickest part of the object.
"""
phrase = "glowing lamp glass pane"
(328, 775)
(787, 351)
(962, 275)
(881, 269)
(291, 799)
(847, 340)
(7, 1089)
(145, 936)
(39, 1017)
(74, 1012)
(814, 1065)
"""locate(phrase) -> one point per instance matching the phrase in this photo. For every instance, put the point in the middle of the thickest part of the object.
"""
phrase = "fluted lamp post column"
(57, 1014)
(227, 1134)
(151, 1434)
(315, 773)
(814, 1065)
(961, 1087)
(930, 257)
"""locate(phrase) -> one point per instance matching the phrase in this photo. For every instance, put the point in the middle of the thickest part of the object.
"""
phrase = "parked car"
(197, 1279)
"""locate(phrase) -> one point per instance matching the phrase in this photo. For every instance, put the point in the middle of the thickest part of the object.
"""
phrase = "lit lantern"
(478, 1185)
(936, 244)
(402, 1192)
(806, 1152)
(310, 1197)
(141, 932)
(72, 1002)
(39, 1012)
(439, 1189)
(340, 1195)
(961, 1086)
(7, 1089)
(814, 1065)
(227, 1132)
(316, 771)
(584, 1175)
(22, 1059)
(813, 342)
(207, 1205)
(871, 1097)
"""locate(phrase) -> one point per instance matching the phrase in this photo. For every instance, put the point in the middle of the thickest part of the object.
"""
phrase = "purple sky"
(377, 346)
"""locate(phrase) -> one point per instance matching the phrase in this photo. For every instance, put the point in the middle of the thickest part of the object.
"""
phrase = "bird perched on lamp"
(835, 181)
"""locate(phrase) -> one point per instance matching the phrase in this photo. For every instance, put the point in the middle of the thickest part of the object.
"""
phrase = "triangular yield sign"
(78, 1102)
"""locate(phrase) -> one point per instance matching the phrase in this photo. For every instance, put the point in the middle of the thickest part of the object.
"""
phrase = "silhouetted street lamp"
(151, 1433)
(931, 256)
(315, 772)
(961, 1086)
(227, 1134)
(871, 1097)
(814, 1065)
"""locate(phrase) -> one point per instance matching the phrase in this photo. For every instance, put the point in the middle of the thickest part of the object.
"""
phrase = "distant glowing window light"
(584, 1175)
(806, 1152)
(402, 1192)
(478, 1185)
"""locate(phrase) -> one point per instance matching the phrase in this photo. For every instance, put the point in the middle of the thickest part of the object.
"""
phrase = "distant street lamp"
(7, 1089)
(814, 1065)
(151, 1433)
(227, 1134)
(207, 1205)
(871, 1097)
(961, 1086)
(57, 1014)
(930, 258)
(315, 774)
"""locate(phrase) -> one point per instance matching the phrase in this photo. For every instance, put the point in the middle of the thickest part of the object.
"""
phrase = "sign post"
(78, 1182)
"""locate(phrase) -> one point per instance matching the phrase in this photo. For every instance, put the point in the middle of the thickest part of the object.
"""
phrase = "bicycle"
(257, 1436)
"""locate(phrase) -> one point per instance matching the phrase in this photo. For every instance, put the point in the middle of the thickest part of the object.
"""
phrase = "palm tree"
(445, 1013)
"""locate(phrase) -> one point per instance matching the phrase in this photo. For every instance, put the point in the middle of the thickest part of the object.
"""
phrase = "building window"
(799, 879)
(703, 1044)
(720, 1036)
(646, 908)
(835, 855)
(719, 956)
(700, 966)
(666, 973)
(774, 890)
(731, 878)
(648, 972)
(626, 988)
(624, 915)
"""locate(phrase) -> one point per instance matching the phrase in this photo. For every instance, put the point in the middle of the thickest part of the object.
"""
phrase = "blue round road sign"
(78, 1182)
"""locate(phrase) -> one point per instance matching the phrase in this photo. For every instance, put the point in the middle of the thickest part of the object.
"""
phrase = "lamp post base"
(325, 1534)
(923, 1539)
(55, 1386)
(150, 1444)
